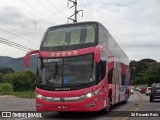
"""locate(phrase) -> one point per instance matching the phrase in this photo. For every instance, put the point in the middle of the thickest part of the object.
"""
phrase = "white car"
(131, 91)
(148, 91)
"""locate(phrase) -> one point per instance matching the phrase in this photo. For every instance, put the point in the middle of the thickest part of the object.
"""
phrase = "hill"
(17, 64)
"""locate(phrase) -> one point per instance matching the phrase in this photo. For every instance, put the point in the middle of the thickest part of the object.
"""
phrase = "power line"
(15, 45)
(4, 20)
(16, 35)
(19, 36)
(48, 9)
(8, 21)
(56, 8)
(11, 45)
(16, 29)
(35, 9)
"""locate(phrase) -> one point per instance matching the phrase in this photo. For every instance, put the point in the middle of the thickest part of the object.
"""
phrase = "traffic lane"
(148, 107)
(92, 115)
(11, 103)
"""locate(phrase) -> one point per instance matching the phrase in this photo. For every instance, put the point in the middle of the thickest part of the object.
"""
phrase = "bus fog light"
(38, 105)
(92, 104)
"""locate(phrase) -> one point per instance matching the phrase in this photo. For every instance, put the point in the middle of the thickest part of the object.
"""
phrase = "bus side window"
(101, 70)
(110, 76)
(123, 79)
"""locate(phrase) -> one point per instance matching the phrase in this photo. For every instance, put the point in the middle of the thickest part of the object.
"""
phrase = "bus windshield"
(67, 71)
(69, 35)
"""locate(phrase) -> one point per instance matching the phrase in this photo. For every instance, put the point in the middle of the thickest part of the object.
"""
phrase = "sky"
(134, 24)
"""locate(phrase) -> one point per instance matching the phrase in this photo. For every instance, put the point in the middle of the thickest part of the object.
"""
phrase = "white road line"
(23, 118)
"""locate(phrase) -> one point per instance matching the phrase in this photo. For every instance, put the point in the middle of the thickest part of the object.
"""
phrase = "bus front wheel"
(105, 110)
(126, 98)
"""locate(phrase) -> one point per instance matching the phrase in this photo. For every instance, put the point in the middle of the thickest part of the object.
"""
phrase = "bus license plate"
(62, 107)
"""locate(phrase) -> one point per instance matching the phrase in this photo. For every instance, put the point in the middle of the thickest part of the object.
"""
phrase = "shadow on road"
(71, 115)
(156, 101)
(83, 115)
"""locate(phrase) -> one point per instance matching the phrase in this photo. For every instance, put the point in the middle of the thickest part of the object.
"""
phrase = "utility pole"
(75, 11)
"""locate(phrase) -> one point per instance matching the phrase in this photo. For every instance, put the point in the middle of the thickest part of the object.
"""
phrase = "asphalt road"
(136, 103)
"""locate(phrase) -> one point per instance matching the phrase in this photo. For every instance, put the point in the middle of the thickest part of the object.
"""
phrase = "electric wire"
(36, 9)
(17, 36)
(49, 9)
(17, 29)
(56, 8)
(8, 22)
(15, 45)
(2, 42)
(23, 34)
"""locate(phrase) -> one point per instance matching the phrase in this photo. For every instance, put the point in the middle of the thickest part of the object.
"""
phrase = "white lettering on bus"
(51, 60)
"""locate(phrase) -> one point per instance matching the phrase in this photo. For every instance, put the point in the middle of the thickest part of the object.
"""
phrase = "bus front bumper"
(90, 104)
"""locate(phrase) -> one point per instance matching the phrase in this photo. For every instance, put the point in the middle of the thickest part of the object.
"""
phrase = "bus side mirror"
(96, 58)
(27, 57)
(97, 53)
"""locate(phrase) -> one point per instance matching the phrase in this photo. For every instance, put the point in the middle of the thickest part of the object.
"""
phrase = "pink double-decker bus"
(80, 67)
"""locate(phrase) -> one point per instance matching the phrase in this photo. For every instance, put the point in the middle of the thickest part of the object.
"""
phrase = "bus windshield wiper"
(75, 84)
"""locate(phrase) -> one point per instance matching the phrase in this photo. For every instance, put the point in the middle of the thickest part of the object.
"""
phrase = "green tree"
(21, 81)
(1, 78)
(6, 70)
(138, 69)
(152, 74)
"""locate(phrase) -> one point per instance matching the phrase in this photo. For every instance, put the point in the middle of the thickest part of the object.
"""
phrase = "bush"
(1, 78)
(5, 87)
(21, 81)
(6, 70)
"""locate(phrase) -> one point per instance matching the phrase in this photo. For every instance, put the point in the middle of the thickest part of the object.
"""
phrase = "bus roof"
(102, 37)
(76, 23)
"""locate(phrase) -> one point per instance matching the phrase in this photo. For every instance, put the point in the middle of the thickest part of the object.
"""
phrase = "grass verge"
(25, 94)
(6, 89)
(20, 94)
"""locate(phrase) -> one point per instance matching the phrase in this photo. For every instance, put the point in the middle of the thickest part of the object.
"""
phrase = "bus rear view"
(72, 69)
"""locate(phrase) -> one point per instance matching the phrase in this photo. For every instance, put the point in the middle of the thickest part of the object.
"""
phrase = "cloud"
(135, 24)
(11, 12)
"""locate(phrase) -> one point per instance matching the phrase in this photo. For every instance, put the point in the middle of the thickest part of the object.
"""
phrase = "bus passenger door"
(114, 87)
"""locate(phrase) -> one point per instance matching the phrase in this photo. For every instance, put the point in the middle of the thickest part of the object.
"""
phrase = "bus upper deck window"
(68, 38)
(83, 35)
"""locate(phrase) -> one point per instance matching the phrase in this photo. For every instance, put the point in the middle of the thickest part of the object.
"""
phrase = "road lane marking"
(137, 106)
(23, 118)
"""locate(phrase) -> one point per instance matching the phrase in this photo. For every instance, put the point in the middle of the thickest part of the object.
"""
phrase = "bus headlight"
(40, 96)
(88, 95)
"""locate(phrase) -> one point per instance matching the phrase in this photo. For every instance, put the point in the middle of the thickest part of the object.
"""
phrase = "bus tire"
(151, 99)
(110, 100)
(126, 98)
(106, 110)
